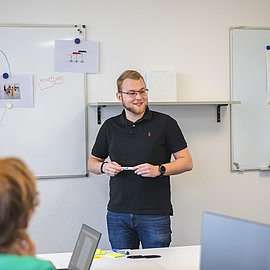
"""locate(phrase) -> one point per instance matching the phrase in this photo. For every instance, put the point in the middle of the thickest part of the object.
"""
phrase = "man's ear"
(119, 96)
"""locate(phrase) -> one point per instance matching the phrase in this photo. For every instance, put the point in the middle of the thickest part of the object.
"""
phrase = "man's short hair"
(128, 74)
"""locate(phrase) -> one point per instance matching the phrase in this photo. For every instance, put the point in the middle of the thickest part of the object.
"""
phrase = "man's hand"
(147, 170)
(112, 168)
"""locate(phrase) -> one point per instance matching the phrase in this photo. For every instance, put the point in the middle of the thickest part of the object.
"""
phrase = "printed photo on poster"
(17, 90)
(10, 91)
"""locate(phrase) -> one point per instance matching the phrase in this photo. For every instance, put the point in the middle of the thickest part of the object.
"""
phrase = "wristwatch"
(162, 169)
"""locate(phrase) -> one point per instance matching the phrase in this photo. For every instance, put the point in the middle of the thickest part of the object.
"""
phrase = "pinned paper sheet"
(72, 57)
(268, 74)
(17, 91)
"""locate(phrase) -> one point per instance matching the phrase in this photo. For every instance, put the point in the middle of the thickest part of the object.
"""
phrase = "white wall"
(190, 37)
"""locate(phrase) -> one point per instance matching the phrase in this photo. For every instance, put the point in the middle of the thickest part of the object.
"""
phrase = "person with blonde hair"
(18, 199)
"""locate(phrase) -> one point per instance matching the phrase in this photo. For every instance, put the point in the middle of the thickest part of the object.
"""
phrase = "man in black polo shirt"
(139, 143)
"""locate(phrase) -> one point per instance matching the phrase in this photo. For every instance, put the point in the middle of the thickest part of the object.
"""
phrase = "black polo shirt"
(151, 139)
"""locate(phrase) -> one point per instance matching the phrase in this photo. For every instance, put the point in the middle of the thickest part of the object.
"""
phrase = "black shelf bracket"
(99, 113)
(218, 111)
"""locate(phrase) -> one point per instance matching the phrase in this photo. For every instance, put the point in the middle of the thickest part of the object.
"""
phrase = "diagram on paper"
(77, 57)
(72, 57)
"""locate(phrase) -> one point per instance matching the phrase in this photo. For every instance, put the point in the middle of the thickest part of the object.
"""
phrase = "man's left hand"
(147, 170)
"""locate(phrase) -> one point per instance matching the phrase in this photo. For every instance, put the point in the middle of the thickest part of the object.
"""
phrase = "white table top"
(180, 258)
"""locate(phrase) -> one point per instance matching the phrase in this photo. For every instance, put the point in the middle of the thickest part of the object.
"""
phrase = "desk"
(180, 258)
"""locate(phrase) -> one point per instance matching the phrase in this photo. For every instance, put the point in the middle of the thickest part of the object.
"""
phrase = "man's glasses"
(142, 92)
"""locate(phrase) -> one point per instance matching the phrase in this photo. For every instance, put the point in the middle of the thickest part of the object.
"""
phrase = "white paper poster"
(17, 91)
(72, 57)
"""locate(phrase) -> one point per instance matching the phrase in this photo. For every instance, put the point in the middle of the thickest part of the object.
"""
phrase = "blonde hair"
(17, 200)
(128, 74)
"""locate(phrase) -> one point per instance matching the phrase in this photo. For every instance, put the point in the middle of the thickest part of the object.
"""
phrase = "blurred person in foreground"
(18, 199)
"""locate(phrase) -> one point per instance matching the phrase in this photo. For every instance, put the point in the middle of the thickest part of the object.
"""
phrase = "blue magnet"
(5, 75)
(77, 40)
(268, 47)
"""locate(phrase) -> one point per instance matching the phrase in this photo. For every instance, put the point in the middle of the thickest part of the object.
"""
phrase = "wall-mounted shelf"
(219, 104)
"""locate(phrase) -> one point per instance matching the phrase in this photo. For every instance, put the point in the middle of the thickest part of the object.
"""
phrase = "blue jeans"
(126, 231)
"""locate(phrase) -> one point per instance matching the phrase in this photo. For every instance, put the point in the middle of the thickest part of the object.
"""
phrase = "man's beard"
(133, 110)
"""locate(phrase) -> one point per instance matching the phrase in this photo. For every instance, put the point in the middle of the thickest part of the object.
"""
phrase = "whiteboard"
(250, 130)
(51, 136)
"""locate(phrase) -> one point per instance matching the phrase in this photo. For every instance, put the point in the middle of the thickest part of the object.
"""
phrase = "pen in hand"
(120, 251)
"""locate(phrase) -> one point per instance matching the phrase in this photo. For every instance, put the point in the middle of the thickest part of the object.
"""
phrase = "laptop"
(234, 244)
(84, 250)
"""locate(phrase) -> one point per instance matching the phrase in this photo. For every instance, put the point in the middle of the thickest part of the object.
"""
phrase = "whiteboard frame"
(82, 29)
(236, 167)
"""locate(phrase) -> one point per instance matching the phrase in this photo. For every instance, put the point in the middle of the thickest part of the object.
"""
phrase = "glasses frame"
(134, 93)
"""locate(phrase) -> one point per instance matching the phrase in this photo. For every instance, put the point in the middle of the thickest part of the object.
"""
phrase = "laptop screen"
(85, 249)
(234, 244)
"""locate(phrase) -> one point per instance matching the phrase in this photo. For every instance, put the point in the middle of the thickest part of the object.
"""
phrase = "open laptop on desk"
(84, 249)
(234, 244)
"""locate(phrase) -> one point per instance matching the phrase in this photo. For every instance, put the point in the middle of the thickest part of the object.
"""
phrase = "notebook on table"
(84, 250)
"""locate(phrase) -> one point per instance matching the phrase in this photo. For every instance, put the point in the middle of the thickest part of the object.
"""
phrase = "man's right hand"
(112, 168)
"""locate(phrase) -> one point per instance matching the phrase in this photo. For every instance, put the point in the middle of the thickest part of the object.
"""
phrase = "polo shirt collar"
(125, 122)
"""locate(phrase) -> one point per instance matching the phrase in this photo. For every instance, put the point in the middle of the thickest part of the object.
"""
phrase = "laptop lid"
(84, 249)
(234, 244)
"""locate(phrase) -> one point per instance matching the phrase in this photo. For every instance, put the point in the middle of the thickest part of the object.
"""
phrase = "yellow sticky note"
(100, 252)
(97, 257)
(116, 255)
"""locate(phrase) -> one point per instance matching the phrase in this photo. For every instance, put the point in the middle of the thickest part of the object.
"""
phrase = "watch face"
(162, 169)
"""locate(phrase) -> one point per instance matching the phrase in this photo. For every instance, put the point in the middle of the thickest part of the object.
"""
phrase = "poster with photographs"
(17, 90)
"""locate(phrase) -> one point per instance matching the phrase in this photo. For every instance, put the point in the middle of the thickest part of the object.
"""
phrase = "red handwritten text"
(49, 82)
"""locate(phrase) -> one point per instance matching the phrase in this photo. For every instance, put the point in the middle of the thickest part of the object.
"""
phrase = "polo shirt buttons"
(133, 129)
